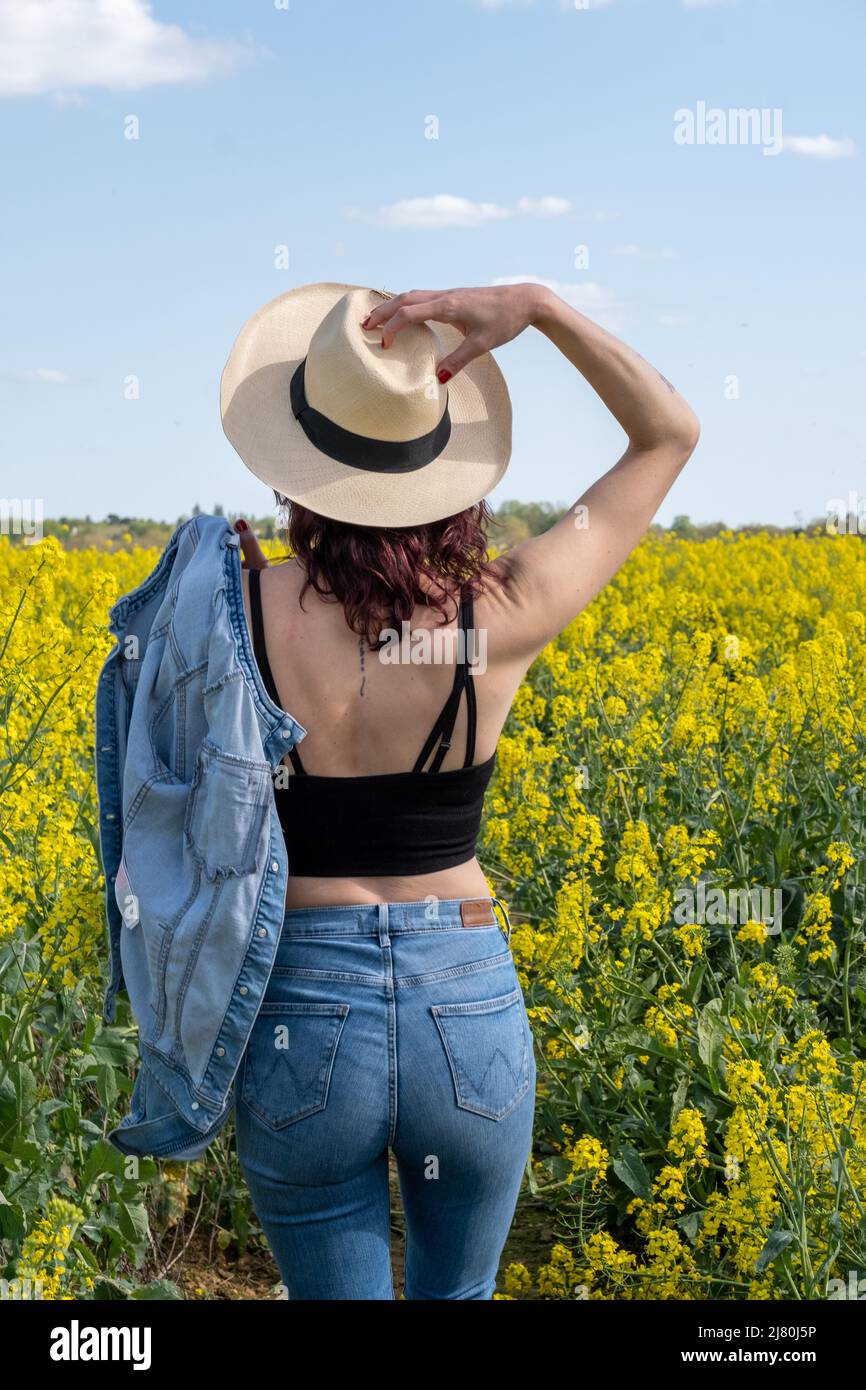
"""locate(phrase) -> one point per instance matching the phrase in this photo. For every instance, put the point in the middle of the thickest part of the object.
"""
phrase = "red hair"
(374, 571)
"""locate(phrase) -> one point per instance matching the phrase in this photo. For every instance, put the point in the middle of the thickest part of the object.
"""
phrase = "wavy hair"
(374, 571)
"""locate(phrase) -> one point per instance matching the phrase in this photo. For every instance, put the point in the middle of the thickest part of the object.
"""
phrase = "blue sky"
(739, 274)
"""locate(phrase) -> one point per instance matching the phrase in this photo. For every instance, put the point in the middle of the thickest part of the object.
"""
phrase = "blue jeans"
(396, 1026)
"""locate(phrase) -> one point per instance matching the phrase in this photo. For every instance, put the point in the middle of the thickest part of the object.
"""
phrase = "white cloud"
(544, 207)
(447, 210)
(587, 296)
(441, 210)
(640, 253)
(820, 146)
(51, 375)
(60, 46)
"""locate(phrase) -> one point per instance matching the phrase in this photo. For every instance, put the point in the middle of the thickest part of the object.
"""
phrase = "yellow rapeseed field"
(675, 826)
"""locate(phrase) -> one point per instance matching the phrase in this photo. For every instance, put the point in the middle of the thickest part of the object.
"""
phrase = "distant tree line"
(512, 523)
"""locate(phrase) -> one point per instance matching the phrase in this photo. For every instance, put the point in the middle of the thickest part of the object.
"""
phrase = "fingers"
(253, 557)
(470, 348)
(416, 306)
(385, 310)
(410, 313)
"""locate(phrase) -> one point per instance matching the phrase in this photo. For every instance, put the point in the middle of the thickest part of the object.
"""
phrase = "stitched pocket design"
(290, 1059)
(488, 1048)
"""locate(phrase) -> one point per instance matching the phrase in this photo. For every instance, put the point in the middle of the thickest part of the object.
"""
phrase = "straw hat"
(319, 410)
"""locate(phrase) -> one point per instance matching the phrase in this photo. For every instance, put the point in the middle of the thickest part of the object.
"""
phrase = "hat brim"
(257, 418)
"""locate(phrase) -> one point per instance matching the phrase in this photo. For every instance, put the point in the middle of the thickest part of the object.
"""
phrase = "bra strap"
(444, 726)
(469, 682)
(261, 654)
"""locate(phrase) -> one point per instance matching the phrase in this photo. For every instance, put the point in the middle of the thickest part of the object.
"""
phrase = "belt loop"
(507, 929)
(383, 924)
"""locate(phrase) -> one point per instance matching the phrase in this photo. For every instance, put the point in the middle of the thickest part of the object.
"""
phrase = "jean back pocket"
(488, 1049)
(289, 1060)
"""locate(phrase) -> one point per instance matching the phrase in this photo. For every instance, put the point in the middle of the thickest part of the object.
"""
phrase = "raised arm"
(548, 580)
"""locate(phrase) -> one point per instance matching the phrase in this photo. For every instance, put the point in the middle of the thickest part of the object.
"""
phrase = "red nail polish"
(382, 342)
(240, 526)
(365, 321)
(443, 376)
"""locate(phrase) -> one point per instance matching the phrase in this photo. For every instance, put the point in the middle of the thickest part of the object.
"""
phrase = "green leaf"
(160, 1288)
(13, 1223)
(711, 1034)
(696, 979)
(631, 1170)
(112, 1045)
(630, 1038)
(111, 1290)
(106, 1086)
(17, 1097)
(679, 1096)
(132, 1219)
(777, 1241)
(102, 1158)
(691, 1224)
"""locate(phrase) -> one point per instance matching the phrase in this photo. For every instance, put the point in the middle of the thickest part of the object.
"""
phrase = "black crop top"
(391, 822)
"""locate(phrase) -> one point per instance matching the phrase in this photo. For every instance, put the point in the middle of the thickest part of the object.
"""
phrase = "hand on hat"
(252, 555)
(488, 317)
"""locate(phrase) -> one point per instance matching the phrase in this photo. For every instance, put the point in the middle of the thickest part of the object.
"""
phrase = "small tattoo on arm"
(362, 654)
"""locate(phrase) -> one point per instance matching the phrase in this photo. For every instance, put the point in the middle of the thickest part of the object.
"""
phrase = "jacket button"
(221, 1052)
(194, 1105)
(243, 990)
(275, 868)
(262, 931)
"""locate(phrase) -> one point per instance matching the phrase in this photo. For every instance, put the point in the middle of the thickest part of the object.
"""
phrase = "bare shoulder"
(281, 578)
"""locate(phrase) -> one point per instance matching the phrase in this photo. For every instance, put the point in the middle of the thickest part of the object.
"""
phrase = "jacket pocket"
(289, 1060)
(226, 810)
(158, 943)
(488, 1049)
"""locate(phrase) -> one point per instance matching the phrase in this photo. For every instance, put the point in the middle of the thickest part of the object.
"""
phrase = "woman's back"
(370, 713)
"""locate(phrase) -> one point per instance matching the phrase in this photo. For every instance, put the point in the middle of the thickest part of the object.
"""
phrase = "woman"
(394, 1018)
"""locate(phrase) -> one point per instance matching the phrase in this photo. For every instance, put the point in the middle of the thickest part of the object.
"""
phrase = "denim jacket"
(195, 864)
